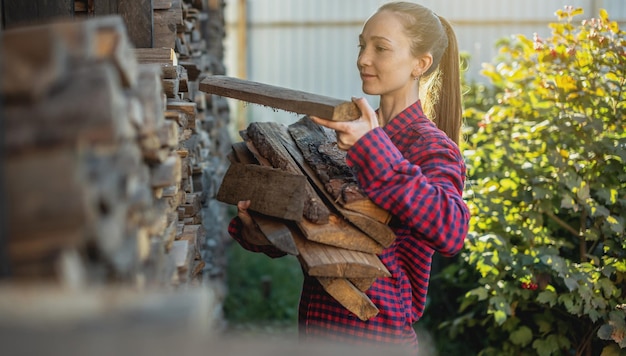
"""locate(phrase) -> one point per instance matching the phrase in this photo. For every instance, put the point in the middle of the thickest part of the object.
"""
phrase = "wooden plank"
(105, 7)
(21, 13)
(137, 15)
(281, 98)
(160, 55)
(165, 25)
(350, 297)
(272, 192)
(320, 260)
(340, 233)
(162, 4)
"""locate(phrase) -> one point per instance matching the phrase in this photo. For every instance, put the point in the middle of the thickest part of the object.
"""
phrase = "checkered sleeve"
(421, 186)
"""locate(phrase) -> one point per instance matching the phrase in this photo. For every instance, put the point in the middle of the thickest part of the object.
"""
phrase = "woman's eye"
(380, 49)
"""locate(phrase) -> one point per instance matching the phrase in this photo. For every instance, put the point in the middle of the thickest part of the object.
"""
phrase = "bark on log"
(319, 149)
(376, 230)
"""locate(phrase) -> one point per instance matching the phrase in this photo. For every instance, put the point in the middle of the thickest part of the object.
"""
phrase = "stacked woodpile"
(307, 203)
(112, 152)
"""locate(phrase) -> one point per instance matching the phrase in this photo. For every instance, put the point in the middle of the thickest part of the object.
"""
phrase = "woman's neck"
(390, 106)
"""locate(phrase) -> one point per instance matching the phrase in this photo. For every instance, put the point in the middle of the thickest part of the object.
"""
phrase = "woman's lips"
(365, 76)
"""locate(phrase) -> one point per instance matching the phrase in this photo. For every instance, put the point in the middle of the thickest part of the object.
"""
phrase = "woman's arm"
(424, 190)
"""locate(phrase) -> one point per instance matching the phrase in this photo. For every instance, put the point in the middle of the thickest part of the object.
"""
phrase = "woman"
(406, 163)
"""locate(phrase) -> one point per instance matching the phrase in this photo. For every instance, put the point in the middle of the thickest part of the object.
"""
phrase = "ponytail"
(442, 89)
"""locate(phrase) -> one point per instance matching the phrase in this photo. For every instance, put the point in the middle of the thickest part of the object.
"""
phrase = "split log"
(319, 149)
(350, 297)
(375, 229)
(165, 23)
(272, 192)
(30, 70)
(336, 231)
(281, 98)
(161, 55)
(166, 173)
(340, 233)
(100, 119)
(171, 87)
(275, 230)
(149, 92)
(168, 134)
(265, 139)
(320, 260)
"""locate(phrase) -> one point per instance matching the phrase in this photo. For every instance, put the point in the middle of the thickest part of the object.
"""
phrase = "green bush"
(547, 192)
(263, 293)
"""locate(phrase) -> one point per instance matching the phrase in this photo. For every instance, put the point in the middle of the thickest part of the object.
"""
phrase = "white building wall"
(311, 45)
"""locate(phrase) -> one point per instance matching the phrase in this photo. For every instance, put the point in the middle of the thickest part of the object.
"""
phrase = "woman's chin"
(368, 90)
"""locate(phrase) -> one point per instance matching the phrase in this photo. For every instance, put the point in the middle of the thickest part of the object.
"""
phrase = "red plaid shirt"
(413, 170)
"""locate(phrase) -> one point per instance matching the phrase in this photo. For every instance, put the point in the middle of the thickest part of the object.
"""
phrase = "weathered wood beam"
(138, 17)
(271, 191)
(281, 98)
(19, 12)
(321, 260)
(265, 139)
(350, 297)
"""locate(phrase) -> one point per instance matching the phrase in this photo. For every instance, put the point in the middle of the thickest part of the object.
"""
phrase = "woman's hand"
(251, 232)
(349, 132)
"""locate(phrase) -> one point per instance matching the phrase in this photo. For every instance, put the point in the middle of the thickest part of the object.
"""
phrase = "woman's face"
(385, 62)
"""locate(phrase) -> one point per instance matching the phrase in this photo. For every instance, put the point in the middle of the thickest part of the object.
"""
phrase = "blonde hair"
(440, 85)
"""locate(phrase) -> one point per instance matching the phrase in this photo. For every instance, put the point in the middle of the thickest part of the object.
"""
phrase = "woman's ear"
(423, 64)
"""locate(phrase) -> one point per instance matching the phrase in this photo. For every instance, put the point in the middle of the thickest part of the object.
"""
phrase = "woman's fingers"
(334, 125)
(367, 112)
(251, 231)
(349, 132)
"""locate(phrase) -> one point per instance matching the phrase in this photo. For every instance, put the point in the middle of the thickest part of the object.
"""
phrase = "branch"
(562, 223)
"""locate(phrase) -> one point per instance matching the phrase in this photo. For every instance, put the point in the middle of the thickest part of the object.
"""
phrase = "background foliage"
(545, 264)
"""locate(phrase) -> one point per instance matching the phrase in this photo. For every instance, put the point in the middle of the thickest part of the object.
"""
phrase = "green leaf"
(605, 331)
(571, 284)
(547, 297)
(612, 350)
(499, 316)
(522, 336)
